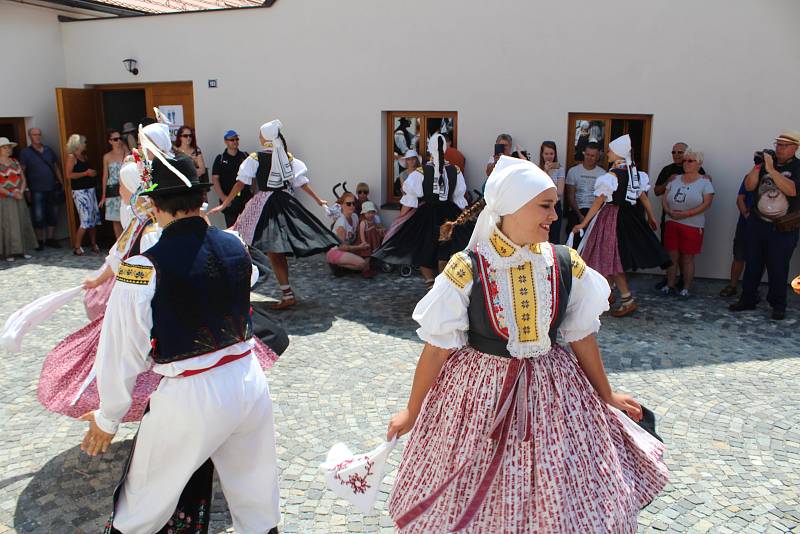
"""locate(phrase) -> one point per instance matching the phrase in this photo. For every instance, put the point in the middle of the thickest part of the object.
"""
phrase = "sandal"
(78, 251)
(95, 249)
(728, 291)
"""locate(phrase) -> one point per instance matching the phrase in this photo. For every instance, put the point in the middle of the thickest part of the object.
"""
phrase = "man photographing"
(772, 233)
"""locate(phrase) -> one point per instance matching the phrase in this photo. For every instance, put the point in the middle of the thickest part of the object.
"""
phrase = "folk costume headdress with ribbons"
(157, 143)
(512, 184)
(621, 146)
(436, 146)
(280, 171)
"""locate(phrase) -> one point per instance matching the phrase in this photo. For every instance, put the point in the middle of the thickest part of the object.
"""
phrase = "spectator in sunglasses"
(186, 143)
(349, 254)
(223, 177)
(109, 193)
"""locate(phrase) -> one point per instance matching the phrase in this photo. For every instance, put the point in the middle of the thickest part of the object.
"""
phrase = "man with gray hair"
(44, 181)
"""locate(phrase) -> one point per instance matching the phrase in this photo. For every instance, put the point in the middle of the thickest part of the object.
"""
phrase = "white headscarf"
(512, 184)
(155, 138)
(280, 171)
(621, 146)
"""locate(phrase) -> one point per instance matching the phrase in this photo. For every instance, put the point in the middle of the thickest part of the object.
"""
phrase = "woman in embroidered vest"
(618, 237)
(437, 192)
(66, 383)
(273, 220)
(513, 432)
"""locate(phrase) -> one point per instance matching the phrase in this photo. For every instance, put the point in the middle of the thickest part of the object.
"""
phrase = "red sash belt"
(513, 398)
(222, 361)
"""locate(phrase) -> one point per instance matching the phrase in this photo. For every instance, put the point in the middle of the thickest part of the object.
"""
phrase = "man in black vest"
(184, 305)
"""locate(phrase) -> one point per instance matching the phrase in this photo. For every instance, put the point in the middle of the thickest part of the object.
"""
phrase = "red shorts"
(682, 238)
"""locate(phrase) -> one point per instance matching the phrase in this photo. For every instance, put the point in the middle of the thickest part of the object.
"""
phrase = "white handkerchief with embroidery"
(357, 477)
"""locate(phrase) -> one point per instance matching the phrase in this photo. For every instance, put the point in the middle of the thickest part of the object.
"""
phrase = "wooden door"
(79, 111)
(172, 94)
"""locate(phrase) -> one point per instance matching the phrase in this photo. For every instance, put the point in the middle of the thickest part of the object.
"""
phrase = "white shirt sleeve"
(412, 190)
(442, 312)
(247, 170)
(300, 173)
(588, 299)
(461, 190)
(606, 185)
(644, 182)
(571, 176)
(124, 349)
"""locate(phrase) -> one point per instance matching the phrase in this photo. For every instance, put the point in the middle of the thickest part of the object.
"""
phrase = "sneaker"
(10, 258)
(741, 306)
(683, 293)
(26, 256)
(778, 315)
(661, 285)
(728, 291)
(667, 291)
(40, 247)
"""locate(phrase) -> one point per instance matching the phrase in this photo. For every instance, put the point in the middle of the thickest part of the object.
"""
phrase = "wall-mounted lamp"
(130, 66)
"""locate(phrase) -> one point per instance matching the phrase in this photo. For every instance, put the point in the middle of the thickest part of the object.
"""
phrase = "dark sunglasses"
(349, 203)
(114, 138)
(185, 135)
(677, 152)
(363, 192)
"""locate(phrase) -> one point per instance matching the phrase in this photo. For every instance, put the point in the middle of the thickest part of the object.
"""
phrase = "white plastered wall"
(720, 74)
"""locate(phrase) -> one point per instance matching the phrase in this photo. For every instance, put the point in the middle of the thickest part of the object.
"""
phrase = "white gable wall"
(721, 74)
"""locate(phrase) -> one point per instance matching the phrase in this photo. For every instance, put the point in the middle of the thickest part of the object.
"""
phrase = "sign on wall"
(174, 115)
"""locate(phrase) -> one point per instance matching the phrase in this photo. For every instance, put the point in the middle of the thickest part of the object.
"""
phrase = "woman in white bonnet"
(621, 226)
(512, 432)
(273, 221)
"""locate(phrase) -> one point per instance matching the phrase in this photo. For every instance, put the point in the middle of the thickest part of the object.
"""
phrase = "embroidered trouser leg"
(224, 414)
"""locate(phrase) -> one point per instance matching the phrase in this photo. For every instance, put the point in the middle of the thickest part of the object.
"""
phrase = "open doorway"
(14, 129)
(91, 111)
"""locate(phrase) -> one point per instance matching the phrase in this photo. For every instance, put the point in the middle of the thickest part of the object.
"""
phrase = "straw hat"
(5, 141)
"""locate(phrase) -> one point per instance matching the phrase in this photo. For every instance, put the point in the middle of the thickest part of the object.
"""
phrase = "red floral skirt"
(563, 460)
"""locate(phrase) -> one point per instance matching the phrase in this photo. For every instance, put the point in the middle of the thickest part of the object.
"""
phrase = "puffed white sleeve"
(124, 349)
(461, 189)
(644, 182)
(412, 190)
(606, 185)
(442, 312)
(588, 299)
(300, 171)
(247, 170)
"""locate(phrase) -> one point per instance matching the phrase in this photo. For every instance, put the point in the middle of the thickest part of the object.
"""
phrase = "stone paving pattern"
(724, 386)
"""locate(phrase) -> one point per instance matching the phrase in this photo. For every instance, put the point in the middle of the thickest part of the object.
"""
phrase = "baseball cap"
(229, 134)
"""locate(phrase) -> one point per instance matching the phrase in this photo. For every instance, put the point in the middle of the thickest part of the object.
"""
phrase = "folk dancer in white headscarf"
(511, 431)
(619, 238)
(437, 191)
(273, 221)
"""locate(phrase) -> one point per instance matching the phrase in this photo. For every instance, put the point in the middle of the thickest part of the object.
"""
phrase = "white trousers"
(224, 414)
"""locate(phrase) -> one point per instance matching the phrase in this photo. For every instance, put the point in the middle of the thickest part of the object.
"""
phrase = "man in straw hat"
(184, 305)
(773, 228)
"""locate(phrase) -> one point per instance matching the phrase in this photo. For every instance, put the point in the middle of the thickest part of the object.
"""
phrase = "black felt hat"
(164, 182)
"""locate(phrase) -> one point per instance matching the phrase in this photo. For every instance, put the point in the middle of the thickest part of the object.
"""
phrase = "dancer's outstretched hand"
(400, 423)
(95, 441)
(627, 404)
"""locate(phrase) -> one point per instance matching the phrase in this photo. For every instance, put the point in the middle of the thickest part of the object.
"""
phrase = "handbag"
(112, 190)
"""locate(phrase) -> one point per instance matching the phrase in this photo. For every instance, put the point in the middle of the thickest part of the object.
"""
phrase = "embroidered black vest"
(202, 298)
(262, 174)
(451, 175)
(482, 335)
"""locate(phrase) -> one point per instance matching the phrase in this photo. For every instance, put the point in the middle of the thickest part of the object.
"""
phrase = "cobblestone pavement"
(725, 389)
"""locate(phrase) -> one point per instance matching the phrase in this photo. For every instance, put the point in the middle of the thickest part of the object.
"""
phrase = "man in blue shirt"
(43, 173)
